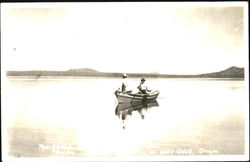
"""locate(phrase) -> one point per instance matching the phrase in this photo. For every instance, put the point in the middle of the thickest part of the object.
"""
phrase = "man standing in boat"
(142, 87)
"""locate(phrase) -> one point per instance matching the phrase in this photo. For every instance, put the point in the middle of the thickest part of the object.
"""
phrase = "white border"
(245, 157)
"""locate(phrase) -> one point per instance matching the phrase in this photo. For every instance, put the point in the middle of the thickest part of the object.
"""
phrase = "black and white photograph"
(125, 81)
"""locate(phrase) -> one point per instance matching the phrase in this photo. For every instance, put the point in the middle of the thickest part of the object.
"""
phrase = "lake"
(80, 117)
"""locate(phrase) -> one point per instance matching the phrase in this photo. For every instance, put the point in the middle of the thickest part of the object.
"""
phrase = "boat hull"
(128, 97)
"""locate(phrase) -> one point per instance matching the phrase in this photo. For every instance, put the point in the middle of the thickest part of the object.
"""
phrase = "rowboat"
(135, 97)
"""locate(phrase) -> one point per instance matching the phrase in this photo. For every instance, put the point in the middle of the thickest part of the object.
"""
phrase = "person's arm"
(139, 87)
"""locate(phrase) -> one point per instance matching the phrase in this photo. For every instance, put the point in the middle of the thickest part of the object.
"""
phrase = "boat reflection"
(123, 110)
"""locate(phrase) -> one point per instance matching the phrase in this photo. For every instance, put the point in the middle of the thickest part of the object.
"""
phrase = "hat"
(142, 79)
(124, 75)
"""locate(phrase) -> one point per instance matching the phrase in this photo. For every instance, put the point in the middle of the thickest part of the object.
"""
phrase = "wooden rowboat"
(137, 97)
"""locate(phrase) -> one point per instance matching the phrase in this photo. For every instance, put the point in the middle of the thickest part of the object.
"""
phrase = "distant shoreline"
(232, 72)
(101, 77)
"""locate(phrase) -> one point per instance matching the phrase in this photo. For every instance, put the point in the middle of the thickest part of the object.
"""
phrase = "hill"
(86, 70)
(232, 72)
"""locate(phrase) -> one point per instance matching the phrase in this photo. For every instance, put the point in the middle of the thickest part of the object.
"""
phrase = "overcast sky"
(123, 37)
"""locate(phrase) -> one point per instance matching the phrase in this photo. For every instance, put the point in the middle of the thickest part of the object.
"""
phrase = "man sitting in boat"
(142, 87)
(125, 84)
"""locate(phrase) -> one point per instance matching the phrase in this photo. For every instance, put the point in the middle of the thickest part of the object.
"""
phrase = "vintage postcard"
(124, 81)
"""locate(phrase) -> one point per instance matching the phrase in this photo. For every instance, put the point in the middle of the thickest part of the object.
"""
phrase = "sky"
(163, 37)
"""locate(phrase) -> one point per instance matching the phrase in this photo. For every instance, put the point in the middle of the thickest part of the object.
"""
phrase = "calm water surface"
(80, 117)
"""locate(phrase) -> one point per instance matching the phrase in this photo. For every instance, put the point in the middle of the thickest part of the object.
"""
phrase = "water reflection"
(123, 110)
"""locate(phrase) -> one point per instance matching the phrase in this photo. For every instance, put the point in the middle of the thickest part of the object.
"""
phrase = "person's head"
(142, 80)
(124, 75)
